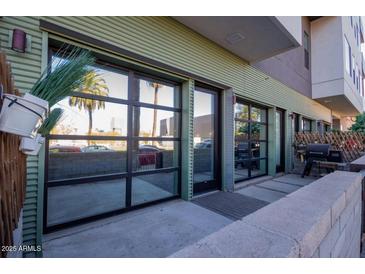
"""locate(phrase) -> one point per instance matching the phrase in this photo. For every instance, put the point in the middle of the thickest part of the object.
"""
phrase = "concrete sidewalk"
(276, 188)
(160, 230)
(156, 231)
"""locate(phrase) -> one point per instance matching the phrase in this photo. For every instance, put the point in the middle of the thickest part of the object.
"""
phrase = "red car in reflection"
(58, 148)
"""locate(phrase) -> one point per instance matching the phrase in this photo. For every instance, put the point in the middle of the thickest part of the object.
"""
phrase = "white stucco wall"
(329, 76)
(293, 25)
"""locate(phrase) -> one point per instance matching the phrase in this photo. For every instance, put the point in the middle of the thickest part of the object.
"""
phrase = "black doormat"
(231, 205)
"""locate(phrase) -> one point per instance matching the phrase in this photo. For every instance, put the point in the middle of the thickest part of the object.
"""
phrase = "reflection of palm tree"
(94, 85)
(156, 86)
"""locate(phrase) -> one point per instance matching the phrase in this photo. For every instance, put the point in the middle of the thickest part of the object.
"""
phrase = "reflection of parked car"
(148, 149)
(58, 148)
(149, 155)
(205, 144)
(95, 148)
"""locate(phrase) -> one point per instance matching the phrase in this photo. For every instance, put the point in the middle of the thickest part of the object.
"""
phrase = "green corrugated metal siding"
(168, 41)
(26, 70)
(187, 140)
(26, 67)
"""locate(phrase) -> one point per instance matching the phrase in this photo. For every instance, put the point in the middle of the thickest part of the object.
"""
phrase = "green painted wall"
(26, 68)
(162, 39)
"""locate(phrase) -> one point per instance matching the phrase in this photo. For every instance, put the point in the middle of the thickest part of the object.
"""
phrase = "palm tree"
(156, 86)
(94, 84)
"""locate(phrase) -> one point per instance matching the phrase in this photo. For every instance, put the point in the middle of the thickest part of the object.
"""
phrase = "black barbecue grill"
(320, 153)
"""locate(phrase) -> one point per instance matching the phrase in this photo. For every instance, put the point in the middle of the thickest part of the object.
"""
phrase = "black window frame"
(326, 127)
(133, 76)
(250, 141)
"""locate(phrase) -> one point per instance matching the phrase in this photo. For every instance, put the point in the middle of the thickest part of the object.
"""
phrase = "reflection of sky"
(202, 103)
(115, 115)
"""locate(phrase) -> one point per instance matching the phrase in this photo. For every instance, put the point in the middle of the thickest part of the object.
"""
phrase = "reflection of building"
(116, 124)
(202, 128)
(167, 126)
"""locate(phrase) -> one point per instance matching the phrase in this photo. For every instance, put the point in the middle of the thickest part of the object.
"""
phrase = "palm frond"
(65, 75)
(50, 122)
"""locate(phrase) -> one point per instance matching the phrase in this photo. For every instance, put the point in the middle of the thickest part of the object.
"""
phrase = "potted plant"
(24, 115)
(31, 146)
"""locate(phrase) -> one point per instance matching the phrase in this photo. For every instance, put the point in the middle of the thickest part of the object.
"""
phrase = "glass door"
(280, 140)
(205, 140)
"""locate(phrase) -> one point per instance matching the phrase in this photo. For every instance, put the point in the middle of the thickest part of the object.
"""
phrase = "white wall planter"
(31, 146)
(22, 115)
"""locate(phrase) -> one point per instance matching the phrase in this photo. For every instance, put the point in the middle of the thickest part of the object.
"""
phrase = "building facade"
(337, 62)
(193, 104)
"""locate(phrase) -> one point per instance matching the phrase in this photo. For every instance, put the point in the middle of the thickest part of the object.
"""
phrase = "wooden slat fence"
(352, 144)
(12, 169)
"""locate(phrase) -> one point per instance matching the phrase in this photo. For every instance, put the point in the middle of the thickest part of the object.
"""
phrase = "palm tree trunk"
(154, 125)
(89, 110)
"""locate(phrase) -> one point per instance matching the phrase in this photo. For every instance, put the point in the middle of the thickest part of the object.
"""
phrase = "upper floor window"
(353, 69)
(306, 49)
(357, 77)
(347, 53)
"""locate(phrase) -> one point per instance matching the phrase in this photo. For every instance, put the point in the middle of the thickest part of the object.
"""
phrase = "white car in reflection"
(204, 144)
(96, 148)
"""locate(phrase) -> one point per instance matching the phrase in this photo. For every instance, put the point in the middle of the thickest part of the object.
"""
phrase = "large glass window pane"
(153, 187)
(149, 155)
(107, 82)
(91, 117)
(241, 130)
(152, 92)
(258, 167)
(258, 149)
(258, 114)
(102, 81)
(150, 122)
(71, 202)
(204, 119)
(241, 111)
(258, 131)
(241, 159)
(70, 159)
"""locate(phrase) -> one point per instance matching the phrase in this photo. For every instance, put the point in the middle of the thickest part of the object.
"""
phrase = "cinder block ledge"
(358, 164)
(322, 219)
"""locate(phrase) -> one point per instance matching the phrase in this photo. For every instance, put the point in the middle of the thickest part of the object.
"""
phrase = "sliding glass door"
(251, 135)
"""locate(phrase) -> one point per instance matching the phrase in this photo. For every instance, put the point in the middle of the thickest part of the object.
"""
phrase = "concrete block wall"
(322, 219)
